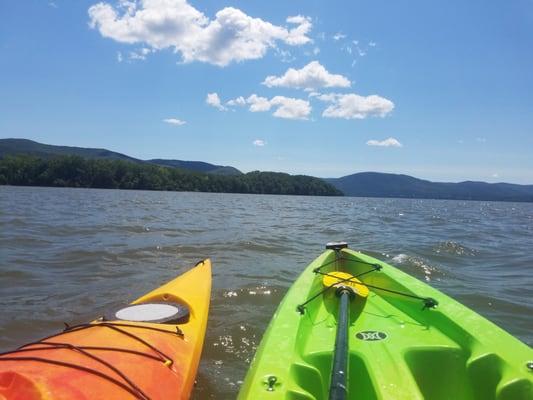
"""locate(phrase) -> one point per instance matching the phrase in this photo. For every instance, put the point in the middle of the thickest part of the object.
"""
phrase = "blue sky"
(440, 90)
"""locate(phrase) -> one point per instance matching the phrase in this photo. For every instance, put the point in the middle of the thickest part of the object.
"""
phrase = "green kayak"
(354, 327)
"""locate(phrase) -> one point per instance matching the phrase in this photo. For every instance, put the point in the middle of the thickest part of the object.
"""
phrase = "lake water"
(70, 254)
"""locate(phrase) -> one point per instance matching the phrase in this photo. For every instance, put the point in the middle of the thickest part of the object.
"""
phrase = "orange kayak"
(149, 349)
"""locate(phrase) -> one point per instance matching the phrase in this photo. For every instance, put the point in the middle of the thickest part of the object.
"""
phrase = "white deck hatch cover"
(150, 312)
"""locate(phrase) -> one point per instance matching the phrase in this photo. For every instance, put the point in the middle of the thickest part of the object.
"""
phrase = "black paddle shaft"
(339, 371)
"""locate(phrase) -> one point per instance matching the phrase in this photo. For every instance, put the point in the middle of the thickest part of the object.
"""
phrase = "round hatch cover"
(152, 312)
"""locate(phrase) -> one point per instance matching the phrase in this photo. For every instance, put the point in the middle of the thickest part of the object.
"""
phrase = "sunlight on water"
(416, 264)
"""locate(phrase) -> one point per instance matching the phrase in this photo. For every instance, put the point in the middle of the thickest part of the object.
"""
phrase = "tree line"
(75, 171)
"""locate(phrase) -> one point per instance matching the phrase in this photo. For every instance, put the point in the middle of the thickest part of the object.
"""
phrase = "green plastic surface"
(448, 352)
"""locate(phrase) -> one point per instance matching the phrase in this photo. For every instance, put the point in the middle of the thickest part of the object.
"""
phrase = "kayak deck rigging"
(153, 355)
(396, 349)
(429, 302)
(126, 383)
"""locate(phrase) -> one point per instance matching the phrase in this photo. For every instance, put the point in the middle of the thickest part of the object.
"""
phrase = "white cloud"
(495, 175)
(285, 107)
(119, 56)
(213, 100)
(259, 142)
(140, 54)
(338, 36)
(354, 106)
(239, 101)
(285, 55)
(290, 108)
(390, 142)
(298, 36)
(372, 44)
(312, 76)
(258, 103)
(174, 121)
(316, 50)
(232, 36)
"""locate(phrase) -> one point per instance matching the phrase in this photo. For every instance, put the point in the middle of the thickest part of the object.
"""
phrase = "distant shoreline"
(271, 194)
(79, 172)
(105, 169)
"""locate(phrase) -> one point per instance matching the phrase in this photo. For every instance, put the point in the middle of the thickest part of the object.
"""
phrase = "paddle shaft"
(339, 371)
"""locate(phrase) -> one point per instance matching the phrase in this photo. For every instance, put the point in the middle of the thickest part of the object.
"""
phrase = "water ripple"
(72, 254)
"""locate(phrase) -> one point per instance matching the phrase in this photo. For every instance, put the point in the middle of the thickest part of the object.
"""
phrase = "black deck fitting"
(430, 302)
(336, 246)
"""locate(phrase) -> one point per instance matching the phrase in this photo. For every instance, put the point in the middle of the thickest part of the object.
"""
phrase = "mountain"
(25, 146)
(376, 184)
(198, 166)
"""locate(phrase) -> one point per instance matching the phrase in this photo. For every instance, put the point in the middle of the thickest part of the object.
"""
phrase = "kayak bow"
(406, 340)
(147, 350)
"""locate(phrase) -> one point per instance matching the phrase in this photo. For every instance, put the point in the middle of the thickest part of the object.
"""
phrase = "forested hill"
(24, 146)
(30, 147)
(75, 171)
(377, 184)
(198, 166)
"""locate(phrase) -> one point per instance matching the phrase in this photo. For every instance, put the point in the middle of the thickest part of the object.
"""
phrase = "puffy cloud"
(174, 121)
(338, 36)
(259, 142)
(312, 76)
(297, 36)
(390, 142)
(285, 107)
(213, 100)
(354, 106)
(258, 103)
(290, 108)
(232, 36)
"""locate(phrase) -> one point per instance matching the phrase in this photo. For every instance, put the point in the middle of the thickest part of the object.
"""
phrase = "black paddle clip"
(345, 289)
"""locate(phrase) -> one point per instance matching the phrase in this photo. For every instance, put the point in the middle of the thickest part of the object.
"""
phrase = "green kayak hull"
(397, 347)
